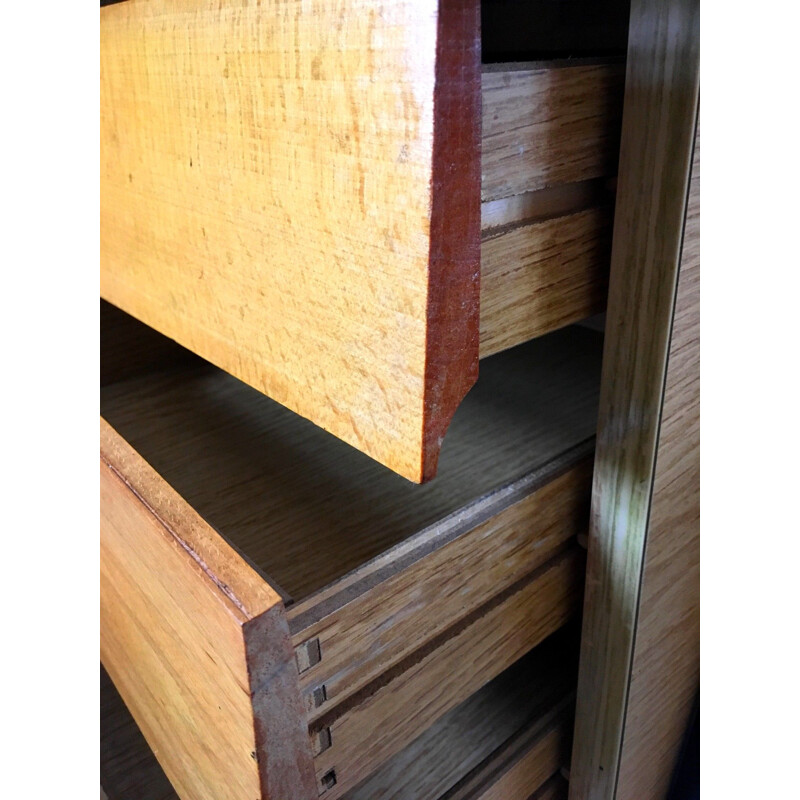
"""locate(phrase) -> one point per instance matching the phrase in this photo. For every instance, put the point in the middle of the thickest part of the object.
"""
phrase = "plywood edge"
(451, 358)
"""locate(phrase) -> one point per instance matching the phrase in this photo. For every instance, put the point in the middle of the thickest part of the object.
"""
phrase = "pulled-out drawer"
(338, 204)
(508, 741)
(282, 614)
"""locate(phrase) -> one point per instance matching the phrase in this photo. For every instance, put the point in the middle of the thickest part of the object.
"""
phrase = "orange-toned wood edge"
(196, 643)
(452, 334)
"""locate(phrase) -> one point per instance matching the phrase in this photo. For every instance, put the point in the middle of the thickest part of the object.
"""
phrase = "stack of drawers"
(283, 615)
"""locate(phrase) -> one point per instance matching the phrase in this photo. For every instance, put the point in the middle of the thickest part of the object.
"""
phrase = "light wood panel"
(292, 191)
(196, 643)
(392, 713)
(658, 129)
(464, 738)
(548, 123)
(542, 275)
(665, 674)
(306, 508)
(399, 602)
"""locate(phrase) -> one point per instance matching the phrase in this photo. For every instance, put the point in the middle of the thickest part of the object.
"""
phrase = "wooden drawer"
(281, 614)
(508, 740)
(296, 193)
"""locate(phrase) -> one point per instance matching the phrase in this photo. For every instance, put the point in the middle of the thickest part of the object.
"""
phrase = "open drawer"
(339, 205)
(281, 613)
(507, 741)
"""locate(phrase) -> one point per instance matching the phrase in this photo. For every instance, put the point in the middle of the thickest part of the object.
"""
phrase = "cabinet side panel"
(665, 676)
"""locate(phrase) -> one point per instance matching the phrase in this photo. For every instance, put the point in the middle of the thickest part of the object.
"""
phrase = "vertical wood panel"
(658, 128)
(666, 660)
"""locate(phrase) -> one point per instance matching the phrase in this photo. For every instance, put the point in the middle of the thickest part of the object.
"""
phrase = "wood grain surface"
(658, 131)
(398, 603)
(293, 192)
(464, 738)
(307, 509)
(525, 763)
(665, 674)
(542, 275)
(398, 708)
(548, 123)
(180, 611)
(449, 750)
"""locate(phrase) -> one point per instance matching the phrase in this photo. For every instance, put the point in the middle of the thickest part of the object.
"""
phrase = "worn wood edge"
(386, 716)
(370, 636)
(139, 660)
(285, 762)
(453, 312)
(524, 763)
(219, 562)
(659, 119)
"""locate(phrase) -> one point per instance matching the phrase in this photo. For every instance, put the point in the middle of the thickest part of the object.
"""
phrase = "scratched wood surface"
(464, 738)
(665, 674)
(293, 192)
(658, 132)
(196, 643)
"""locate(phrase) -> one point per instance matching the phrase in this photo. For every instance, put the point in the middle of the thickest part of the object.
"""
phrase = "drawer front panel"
(292, 190)
(196, 643)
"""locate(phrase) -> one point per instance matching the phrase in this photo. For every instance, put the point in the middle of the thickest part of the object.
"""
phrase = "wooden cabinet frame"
(639, 670)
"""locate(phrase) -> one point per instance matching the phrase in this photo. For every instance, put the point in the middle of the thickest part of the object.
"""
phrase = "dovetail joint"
(328, 781)
(316, 698)
(321, 741)
(308, 654)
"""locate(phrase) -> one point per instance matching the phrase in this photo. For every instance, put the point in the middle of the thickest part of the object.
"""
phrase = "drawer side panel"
(174, 641)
